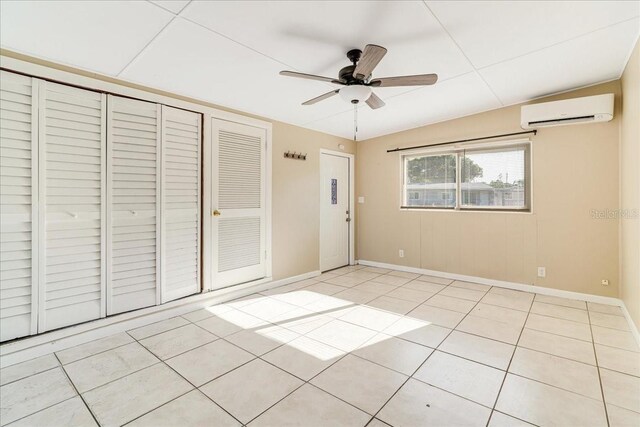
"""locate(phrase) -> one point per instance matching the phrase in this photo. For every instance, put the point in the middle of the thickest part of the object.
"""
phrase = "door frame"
(209, 169)
(352, 204)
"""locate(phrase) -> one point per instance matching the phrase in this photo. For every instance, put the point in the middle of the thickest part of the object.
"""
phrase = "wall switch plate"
(361, 199)
(401, 253)
(542, 272)
(605, 282)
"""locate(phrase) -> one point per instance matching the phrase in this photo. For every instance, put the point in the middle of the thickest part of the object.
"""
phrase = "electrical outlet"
(605, 282)
(542, 272)
(361, 199)
(401, 253)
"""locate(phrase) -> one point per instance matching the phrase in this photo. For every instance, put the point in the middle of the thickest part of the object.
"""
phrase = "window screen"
(493, 178)
(430, 181)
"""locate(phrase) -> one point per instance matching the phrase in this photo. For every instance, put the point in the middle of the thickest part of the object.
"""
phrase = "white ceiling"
(487, 54)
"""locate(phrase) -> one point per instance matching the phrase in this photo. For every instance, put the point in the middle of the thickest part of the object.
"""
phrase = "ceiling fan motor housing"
(346, 75)
(354, 55)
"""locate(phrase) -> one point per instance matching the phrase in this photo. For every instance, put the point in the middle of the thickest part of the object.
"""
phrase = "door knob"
(215, 213)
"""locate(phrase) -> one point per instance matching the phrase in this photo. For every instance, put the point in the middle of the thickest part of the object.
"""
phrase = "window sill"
(486, 210)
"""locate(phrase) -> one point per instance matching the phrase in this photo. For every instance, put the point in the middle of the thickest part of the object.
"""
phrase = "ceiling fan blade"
(371, 56)
(417, 80)
(321, 97)
(375, 102)
(310, 77)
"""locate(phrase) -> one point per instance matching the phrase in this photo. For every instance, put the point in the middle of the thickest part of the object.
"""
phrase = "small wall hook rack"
(294, 155)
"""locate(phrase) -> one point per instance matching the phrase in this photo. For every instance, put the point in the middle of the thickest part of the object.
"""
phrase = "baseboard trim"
(39, 345)
(499, 283)
(632, 324)
(516, 286)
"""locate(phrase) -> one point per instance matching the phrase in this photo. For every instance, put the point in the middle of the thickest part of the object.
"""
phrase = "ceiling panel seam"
(248, 47)
(462, 52)
(626, 61)
(237, 42)
(146, 46)
(171, 12)
(559, 43)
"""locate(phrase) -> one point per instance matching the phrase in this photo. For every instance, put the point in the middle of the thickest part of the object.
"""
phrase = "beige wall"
(296, 183)
(575, 169)
(630, 186)
(296, 198)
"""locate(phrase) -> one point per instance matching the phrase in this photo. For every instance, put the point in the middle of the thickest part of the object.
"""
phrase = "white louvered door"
(72, 124)
(181, 145)
(133, 215)
(239, 171)
(18, 205)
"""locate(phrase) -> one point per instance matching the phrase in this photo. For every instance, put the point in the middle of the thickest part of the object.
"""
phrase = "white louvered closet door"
(181, 135)
(72, 210)
(239, 172)
(18, 205)
(133, 214)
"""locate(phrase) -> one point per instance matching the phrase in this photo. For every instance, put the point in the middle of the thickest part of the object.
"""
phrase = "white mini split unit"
(590, 109)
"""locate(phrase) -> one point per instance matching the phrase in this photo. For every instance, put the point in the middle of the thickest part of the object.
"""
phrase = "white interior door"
(181, 142)
(18, 205)
(335, 217)
(238, 200)
(72, 148)
(133, 223)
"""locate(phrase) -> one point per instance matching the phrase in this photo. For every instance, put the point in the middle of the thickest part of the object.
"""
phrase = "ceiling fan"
(356, 79)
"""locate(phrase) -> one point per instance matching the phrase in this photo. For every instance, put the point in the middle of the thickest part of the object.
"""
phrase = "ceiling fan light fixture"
(355, 93)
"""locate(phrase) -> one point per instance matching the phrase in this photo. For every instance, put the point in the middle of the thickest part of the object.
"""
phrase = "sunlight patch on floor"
(335, 317)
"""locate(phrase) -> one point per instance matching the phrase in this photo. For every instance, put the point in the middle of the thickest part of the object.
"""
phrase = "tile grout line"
(302, 335)
(95, 418)
(158, 333)
(304, 382)
(324, 369)
(93, 354)
(29, 376)
(43, 409)
(428, 357)
(189, 382)
(595, 354)
(411, 376)
(506, 372)
(157, 407)
(469, 333)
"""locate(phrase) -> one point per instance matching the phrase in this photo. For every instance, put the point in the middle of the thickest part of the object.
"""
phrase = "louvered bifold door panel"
(180, 211)
(72, 213)
(133, 225)
(18, 205)
(239, 197)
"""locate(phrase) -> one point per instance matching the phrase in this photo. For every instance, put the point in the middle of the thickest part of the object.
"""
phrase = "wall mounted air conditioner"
(590, 109)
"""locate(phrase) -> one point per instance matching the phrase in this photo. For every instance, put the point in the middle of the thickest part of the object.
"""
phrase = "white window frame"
(458, 150)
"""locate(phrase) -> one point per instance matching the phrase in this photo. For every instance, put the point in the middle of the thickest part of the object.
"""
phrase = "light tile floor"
(356, 346)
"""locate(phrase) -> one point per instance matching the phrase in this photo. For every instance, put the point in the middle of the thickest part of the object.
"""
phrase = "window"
(430, 177)
(493, 178)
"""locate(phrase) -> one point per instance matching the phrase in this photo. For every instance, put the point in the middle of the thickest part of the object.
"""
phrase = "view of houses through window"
(489, 178)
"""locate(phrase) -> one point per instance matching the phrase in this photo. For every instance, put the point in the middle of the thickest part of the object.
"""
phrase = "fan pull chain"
(355, 122)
